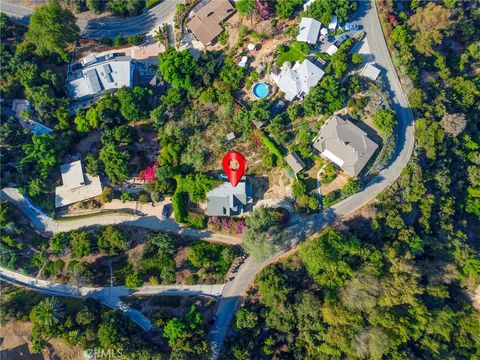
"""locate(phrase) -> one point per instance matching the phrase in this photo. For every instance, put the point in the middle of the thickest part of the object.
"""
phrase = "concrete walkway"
(110, 296)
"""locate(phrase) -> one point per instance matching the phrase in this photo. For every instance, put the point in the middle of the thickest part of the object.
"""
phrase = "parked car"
(348, 27)
(165, 211)
(341, 39)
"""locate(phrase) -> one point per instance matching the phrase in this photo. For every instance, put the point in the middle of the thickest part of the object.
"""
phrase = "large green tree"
(51, 29)
(178, 68)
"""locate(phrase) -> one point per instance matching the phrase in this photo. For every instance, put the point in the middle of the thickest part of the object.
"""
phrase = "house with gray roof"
(345, 144)
(295, 162)
(97, 75)
(297, 81)
(370, 71)
(226, 200)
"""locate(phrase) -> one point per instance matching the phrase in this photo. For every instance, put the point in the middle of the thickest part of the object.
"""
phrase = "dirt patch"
(338, 183)
(16, 345)
(91, 143)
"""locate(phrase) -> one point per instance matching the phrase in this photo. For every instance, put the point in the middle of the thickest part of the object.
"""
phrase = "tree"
(174, 330)
(80, 244)
(429, 135)
(51, 28)
(178, 68)
(43, 152)
(245, 7)
(324, 98)
(115, 162)
(134, 103)
(85, 316)
(245, 319)
(428, 22)
(285, 8)
(59, 243)
(386, 120)
(126, 7)
(112, 332)
(47, 314)
(231, 73)
(464, 92)
(453, 124)
(329, 258)
(112, 241)
(133, 280)
(94, 6)
(163, 243)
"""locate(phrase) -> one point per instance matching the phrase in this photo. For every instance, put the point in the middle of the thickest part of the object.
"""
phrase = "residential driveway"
(100, 28)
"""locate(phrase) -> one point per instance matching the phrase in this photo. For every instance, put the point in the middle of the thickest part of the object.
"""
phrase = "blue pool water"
(260, 90)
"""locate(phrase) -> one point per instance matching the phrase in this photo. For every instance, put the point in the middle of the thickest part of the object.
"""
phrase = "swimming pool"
(260, 90)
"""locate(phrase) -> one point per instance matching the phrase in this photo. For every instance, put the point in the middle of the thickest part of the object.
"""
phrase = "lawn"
(293, 52)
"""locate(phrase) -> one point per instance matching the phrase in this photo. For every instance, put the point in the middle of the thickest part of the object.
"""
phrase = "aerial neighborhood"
(243, 179)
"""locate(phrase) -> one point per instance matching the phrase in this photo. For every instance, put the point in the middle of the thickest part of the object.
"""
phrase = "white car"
(348, 27)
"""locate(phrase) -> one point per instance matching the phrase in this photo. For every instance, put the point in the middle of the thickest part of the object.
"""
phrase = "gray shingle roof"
(226, 200)
(345, 144)
(295, 162)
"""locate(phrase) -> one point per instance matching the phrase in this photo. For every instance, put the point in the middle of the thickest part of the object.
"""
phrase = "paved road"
(367, 16)
(106, 27)
(109, 296)
(46, 224)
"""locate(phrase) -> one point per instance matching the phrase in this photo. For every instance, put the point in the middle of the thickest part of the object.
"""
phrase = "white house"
(332, 49)
(333, 23)
(77, 186)
(309, 30)
(296, 82)
(97, 75)
(370, 71)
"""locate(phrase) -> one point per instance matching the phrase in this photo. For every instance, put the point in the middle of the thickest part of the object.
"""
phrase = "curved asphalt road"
(231, 297)
(106, 27)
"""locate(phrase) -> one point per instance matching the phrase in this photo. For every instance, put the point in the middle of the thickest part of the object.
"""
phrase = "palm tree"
(48, 312)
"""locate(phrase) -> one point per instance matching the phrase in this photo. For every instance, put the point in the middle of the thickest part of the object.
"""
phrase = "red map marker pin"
(234, 165)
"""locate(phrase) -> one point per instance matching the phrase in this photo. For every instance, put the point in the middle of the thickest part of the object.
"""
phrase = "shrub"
(179, 207)
(106, 195)
(133, 280)
(143, 198)
(125, 196)
(119, 41)
(197, 221)
(151, 3)
(271, 146)
(214, 258)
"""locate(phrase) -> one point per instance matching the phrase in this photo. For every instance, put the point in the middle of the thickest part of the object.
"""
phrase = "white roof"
(332, 50)
(309, 75)
(298, 80)
(72, 175)
(101, 76)
(307, 4)
(309, 30)
(370, 71)
(77, 186)
(37, 128)
(333, 23)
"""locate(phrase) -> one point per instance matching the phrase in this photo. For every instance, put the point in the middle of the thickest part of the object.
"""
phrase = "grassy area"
(107, 212)
(151, 3)
(293, 52)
